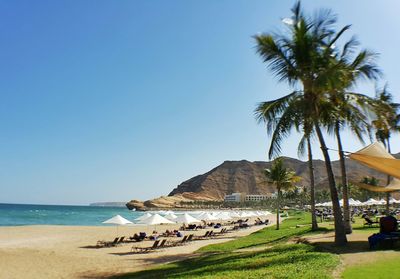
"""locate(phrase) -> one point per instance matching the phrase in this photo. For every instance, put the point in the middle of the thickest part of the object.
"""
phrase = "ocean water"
(26, 214)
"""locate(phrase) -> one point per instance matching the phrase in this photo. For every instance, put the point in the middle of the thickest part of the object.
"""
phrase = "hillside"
(247, 177)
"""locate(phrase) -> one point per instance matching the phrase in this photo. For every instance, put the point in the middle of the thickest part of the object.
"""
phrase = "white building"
(241, 197)
(257, 197)
(235, 197)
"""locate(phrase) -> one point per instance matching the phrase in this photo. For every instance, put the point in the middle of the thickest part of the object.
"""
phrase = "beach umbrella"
(206, 216)
(186, 218)
(144, 216)
(223, 216)
(117, 220)
(234, 214)
(170, 216)
(155, 219)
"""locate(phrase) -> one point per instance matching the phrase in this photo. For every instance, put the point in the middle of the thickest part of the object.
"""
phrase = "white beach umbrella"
(223, 216)
(155, 219)
(393, 200)
(144, 216)
(186, 218)
(206, 216)
(382, 202)
(117, 220)
(234, 214)
(170, 216)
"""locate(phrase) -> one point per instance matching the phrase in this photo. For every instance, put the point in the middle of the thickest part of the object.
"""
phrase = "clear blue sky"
(114, 100)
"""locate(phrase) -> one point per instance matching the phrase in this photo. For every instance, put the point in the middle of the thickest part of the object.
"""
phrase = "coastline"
(59, 251)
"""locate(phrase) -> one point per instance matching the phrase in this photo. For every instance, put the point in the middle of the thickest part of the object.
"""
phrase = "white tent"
(186, 218)
(155, 219)
(144, 216)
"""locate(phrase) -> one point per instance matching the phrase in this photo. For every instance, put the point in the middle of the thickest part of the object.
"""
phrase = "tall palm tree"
(350, 107)
(283, 179)
(304, 57)
(387, 122)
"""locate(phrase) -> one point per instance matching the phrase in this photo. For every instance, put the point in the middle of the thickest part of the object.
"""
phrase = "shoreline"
(59, 251)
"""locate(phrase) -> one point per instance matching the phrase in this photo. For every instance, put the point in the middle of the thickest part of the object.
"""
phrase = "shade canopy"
(117, 220)
(186, 218)
(375, 156)
(155, 219)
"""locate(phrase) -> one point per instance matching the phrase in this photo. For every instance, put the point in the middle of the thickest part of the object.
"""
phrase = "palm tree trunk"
(340, 233)
(387, 183)
(314, 224)
(346, 211)
(277, 208)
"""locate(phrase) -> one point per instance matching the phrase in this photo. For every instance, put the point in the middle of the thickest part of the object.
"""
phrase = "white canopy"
(155, 220)
(186, 218)
(117, 220)
(144, 216)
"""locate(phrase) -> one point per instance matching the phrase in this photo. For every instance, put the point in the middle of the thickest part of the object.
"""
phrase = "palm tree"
(350, 107)
(281, 116)
(304, 57)
(283, 179)
(387, 121)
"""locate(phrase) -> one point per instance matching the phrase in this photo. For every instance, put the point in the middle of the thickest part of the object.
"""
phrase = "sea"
(29, 214)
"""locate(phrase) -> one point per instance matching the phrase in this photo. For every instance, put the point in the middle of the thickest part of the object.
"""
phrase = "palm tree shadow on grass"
(259, 261)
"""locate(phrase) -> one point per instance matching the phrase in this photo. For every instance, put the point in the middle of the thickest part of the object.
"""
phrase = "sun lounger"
(102, 243)
(369, 222)
(146, 249)
(190, 238)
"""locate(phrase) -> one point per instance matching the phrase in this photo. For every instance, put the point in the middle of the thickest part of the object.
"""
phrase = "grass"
(277, 260)
(266, 236)
(378, 270)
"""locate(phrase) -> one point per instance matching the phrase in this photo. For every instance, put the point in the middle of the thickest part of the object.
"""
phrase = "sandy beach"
(65, 251)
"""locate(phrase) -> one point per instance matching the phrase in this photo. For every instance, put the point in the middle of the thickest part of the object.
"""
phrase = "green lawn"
(386, 269)
(277, 260)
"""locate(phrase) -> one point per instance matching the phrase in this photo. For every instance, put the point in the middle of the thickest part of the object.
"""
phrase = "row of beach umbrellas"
(194, 217)
(353, 202)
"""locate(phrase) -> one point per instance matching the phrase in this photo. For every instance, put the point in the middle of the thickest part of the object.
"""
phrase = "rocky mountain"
(247, 177)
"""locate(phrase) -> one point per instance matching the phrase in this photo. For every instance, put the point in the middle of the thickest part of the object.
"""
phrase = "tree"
(304, 56)
(283, 179)
(349, 107)
(387, 121)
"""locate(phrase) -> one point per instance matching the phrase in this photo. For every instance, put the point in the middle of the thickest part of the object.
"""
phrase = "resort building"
(257, 197)
(241, 197)
(234, 197)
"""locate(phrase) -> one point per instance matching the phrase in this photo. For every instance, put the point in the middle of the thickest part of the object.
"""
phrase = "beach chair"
(121, 240)
(369, 222)
(102, 243)
(146, 249)
(162, 244)
(183, 241)
(203, 236)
